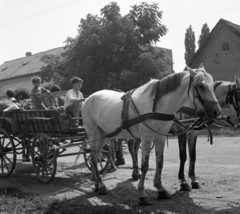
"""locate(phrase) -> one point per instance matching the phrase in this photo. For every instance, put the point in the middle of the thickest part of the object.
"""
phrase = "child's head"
(36, 81)
(76, 82)
(55, 88)
(10, 93)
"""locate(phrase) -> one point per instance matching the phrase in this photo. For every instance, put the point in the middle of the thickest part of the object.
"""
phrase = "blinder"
(204, 102)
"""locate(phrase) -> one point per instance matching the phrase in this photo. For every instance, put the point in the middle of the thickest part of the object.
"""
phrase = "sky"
(40, 25)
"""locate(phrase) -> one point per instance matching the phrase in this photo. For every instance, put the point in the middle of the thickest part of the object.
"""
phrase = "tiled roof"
(25, 65)
(233, 27)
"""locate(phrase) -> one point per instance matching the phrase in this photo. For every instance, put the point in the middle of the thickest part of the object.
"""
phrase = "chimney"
(28, 53)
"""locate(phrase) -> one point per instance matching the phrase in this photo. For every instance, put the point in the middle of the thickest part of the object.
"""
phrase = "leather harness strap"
(126, 123)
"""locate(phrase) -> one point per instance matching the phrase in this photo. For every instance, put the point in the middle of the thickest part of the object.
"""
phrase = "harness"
(126, 123)
(128, 101)
(233, 97)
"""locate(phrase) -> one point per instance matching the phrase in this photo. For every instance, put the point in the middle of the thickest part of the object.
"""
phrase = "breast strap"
(126, 123)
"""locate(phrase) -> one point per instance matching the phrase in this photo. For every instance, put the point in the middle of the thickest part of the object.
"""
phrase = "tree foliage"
(111, 50)
(190, 46)
(204, 35)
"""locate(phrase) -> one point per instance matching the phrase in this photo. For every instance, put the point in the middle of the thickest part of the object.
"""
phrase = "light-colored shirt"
(72, 94)
(12, 99)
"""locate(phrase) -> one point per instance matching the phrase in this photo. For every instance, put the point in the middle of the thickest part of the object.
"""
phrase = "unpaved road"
(217, 167)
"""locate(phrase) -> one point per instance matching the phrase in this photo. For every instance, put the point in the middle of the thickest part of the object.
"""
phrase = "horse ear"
(237, 80)
(191, 71)
(201, 66)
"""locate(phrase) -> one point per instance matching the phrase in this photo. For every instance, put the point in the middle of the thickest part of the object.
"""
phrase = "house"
(220, 54)
(18, 72)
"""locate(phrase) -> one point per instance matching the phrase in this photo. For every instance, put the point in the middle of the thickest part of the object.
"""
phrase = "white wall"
(23, 82)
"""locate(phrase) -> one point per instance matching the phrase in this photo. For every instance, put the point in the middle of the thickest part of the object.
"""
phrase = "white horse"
(150, 115)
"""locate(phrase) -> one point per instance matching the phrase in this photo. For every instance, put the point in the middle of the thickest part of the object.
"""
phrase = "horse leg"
(28, 151)
(182, 142)
(192, 141)
(96, 148)
(136, 148)
(25, 151)
(143, 197)
(133, 152)
(96, 141)
(159, 148)
(119, 153)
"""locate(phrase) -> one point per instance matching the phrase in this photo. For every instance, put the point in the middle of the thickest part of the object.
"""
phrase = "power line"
(17, 6)
(38, 14)
(206, 15)
(187, 16)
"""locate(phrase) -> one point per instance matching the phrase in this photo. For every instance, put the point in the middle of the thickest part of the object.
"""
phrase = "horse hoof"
(163, 195)
(144, 201)
(185, 187)
(195, 185)
(135, 176)
(102, 190)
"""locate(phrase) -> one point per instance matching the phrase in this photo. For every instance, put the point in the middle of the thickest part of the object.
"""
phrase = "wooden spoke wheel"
(8, 155)
(104, 157)
(44, 157)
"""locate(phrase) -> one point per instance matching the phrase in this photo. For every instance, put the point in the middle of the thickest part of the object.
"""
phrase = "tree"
(111, 50)
(52, 68)
(190, 46)
(204, 35)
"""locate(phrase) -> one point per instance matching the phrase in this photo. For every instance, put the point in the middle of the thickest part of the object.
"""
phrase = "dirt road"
(217, 167)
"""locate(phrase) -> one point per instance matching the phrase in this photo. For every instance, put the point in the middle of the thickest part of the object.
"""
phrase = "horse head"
(201, 92)
(228, 94)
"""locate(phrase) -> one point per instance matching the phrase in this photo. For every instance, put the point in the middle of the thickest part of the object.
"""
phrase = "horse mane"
(166, 85)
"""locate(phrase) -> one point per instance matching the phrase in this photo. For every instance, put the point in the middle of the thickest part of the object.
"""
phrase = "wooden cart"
(45, 135)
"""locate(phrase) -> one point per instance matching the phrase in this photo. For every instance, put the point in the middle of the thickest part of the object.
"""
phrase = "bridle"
(197, 95)
(233, 97)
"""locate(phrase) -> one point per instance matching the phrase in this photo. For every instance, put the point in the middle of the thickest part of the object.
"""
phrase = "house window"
(225, 46)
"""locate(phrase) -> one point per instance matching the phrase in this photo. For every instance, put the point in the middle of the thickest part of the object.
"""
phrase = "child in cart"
(74, 99)
(37, 103)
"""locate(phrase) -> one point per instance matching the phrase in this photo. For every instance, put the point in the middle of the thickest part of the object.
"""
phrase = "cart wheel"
(8, 155)
(104, 157)
(44, 158)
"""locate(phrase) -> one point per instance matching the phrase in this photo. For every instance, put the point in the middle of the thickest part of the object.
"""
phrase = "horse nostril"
(215, 113)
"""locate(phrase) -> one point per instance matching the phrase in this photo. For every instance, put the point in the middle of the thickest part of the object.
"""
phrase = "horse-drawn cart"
(42, 136)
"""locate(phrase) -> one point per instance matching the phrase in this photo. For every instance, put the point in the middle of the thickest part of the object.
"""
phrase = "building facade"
(17, 73)
(221, 52)
(221, 55)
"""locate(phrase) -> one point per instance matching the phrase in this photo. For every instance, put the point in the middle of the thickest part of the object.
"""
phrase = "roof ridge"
(33, 54)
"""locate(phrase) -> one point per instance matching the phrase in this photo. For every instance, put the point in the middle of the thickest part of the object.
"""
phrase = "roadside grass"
(14, 200)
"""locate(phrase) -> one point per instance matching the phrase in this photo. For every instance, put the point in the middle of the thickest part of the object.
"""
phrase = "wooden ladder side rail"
(50, 95)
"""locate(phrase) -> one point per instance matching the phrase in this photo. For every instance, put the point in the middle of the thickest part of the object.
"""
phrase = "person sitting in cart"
(38, 103)
(74, 99)
(10, 95)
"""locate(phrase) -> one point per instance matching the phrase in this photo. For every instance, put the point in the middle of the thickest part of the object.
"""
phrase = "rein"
(153, 115)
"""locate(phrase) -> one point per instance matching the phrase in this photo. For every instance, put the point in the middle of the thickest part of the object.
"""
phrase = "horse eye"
(201, 86)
